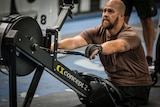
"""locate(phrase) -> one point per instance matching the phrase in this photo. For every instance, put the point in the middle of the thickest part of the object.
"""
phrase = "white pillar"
(102, 3)
(4, 7)
(47, 13)
(85, 5)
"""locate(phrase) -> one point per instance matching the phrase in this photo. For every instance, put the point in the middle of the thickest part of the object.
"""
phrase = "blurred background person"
(146, 9)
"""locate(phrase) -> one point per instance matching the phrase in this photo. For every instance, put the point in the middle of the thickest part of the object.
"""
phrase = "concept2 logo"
(71, 77)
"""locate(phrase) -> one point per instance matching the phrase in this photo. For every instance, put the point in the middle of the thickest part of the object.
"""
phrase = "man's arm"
(71, 43)
(107, 48)
(114, 46)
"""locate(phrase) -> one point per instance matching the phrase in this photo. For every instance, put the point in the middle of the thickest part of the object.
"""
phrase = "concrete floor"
(50, 91)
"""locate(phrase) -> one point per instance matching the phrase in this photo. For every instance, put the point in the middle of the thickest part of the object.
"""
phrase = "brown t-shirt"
(124, 68)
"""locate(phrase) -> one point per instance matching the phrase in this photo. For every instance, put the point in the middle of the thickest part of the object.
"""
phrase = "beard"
(109, 25)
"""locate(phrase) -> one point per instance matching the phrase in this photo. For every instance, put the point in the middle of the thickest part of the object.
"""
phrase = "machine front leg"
(33, 87)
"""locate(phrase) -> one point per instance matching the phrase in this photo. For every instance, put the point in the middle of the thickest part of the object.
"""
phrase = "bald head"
(118, 4)
(113, 16)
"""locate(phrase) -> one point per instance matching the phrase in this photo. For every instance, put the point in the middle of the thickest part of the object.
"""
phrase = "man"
(145, 9)
(120, 51)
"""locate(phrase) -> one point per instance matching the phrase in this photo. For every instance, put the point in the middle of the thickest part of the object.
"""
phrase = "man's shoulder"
(128, 27)
(129, 31)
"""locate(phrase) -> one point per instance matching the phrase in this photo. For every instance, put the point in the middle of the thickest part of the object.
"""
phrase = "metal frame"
(15, 42)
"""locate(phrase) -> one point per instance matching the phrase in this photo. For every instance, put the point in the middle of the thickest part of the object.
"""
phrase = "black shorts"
(144, 8)
(134, 96)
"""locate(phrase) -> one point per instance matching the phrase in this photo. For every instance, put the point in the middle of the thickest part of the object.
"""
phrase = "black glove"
(91, 48)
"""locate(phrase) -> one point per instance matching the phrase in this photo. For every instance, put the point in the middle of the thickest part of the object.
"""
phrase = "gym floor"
(50, 91)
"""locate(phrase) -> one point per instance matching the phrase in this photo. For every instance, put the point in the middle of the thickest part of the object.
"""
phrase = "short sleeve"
(131, 36)
(91, 35)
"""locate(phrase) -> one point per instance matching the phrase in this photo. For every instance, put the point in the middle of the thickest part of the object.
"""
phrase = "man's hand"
(92, 50)
(52, 47)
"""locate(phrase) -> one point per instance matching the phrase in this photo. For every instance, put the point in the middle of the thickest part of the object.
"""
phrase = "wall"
(46, 11)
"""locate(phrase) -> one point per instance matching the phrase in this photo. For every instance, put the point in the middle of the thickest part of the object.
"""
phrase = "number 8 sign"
(45, 11)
